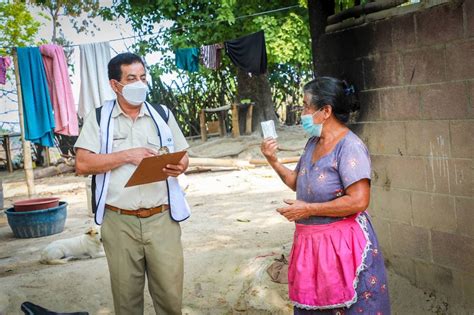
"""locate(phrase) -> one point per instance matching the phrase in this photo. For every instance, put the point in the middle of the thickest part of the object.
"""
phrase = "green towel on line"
(187, 59)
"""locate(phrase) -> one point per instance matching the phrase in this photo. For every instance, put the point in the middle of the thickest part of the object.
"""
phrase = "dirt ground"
(233, 235)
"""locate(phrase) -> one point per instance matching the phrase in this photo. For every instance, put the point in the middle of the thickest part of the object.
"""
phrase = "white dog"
(61, 251)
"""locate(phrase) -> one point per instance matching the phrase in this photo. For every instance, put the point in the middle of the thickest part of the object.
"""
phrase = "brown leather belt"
(141, 213)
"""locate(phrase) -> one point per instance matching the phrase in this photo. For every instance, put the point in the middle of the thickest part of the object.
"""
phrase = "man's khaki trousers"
(135, 247)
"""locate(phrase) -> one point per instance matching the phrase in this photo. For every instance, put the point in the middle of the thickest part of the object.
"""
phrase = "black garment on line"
(249, 52)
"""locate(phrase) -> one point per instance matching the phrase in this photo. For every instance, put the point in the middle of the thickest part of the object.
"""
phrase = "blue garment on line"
(37, 109)
(187, 59)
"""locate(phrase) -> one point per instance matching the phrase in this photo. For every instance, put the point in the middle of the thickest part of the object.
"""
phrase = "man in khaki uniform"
(151, 242)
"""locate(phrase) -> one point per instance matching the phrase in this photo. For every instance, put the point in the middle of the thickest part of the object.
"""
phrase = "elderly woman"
(336, 266)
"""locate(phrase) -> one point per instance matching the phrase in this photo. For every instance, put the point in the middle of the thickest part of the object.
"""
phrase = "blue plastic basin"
(37, 223)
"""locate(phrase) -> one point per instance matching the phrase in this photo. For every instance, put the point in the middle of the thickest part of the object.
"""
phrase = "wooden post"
(8, 154)
(202, 119)
(28, 165)
(222, 128)
(47, 156)
(235, 121)
(248, 121)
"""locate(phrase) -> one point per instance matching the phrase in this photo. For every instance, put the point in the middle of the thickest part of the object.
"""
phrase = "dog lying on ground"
(61, 251)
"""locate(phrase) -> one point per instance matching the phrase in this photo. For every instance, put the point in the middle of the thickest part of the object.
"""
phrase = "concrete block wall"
(415, 77)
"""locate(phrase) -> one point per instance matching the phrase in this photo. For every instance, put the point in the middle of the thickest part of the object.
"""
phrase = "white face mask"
(134, 93)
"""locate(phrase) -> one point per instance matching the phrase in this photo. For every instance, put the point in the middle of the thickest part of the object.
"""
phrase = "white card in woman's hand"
(268, 129)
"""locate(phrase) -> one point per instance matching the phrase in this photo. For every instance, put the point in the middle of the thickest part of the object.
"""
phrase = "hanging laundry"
(211, 56)
(187, 59)
(4, 65)
(60, 90)
(95, 87)
(249, 52)
(37, 109)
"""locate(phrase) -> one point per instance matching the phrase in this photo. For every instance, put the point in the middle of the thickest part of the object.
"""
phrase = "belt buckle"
(143, 214)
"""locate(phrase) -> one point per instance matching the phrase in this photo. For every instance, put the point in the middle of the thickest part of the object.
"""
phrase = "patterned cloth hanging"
(4, 65)
(211, 56)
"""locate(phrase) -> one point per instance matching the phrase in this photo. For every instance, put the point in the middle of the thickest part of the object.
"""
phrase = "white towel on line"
(95, 87)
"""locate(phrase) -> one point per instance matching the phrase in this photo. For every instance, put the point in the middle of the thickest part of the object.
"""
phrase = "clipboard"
(150, 169)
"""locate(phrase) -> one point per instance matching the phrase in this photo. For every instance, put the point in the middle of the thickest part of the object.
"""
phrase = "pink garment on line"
(325, 263)
(60, 90)
(4, 65)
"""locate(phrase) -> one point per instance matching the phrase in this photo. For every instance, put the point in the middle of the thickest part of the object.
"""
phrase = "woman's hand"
(269, 148)
(296, 210)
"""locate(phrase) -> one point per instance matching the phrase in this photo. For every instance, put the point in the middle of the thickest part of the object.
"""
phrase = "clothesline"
(202, 24)
(54, 90)
(184, 27)
(247, 53)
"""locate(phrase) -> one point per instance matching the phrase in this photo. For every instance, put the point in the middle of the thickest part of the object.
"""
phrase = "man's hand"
(176, 170)
(135, 156)
(296, 210)
(269, 148)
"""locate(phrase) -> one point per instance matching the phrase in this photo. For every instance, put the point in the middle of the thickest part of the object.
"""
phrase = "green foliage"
(341, 5)
(18, 28)
(80, 13)
(189, 93)
(193, 23)
(287, 40)
(74, 9)
(199, 22)
(303, 3)
(224, 12)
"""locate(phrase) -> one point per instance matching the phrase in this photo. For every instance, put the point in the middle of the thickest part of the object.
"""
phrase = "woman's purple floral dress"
(327, 179)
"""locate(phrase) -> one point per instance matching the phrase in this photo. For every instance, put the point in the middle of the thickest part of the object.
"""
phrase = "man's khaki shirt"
(130, 134)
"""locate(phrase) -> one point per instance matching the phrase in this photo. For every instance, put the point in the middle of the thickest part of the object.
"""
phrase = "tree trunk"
(318, 12)
(257, 89)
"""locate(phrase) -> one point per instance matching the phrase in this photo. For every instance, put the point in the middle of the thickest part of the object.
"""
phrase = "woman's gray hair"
(333, 92)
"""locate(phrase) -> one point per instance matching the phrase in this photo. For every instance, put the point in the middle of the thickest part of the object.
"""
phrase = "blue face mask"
(312, 129)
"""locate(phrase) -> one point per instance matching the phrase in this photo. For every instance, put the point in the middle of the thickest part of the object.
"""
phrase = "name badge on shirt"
(169, 142)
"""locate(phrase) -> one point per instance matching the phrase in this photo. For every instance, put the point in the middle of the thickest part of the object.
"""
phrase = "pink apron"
(325, 263)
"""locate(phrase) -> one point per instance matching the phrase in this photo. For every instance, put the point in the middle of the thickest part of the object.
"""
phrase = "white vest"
(178, 206)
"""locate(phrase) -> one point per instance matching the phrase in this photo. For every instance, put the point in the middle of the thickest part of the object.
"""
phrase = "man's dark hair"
(114, 66)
